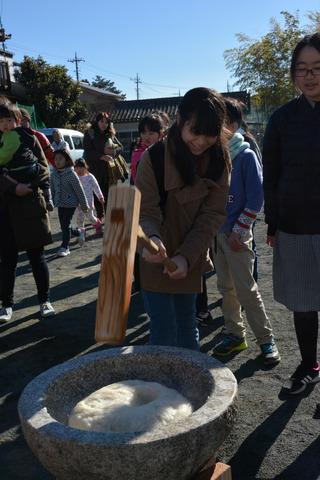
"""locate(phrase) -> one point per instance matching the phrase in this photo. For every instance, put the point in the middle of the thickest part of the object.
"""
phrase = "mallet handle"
(152, 247)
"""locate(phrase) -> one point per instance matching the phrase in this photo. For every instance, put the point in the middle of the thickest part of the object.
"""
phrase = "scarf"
(237, 145)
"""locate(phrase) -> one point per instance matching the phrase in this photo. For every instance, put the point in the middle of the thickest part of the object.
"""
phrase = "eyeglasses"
(303, 72)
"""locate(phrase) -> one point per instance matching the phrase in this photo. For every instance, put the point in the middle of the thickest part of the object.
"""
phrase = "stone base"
(175, 451)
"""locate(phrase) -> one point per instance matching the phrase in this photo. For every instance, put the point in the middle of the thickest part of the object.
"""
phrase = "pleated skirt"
(296, 271)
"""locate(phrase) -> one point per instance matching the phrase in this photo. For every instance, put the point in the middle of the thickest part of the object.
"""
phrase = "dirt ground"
(274, 437)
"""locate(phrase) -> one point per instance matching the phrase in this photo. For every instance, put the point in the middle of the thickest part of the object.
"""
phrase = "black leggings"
(8, 264)
(65, 216)
(306, 326)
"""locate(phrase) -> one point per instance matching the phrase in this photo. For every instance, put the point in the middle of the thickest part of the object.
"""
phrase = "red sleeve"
(45, 145)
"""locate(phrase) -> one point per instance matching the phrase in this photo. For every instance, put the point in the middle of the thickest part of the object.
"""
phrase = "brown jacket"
(193, 215)
(28, 215)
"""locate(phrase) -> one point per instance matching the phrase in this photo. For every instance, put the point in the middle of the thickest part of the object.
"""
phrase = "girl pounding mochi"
(183, 198)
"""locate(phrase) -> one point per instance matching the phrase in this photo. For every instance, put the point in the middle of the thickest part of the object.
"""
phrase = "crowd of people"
(203, 181)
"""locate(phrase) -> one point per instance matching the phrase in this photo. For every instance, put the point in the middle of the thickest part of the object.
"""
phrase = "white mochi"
(129, 406)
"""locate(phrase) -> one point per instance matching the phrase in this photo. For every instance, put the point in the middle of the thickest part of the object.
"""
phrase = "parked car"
(73, 138)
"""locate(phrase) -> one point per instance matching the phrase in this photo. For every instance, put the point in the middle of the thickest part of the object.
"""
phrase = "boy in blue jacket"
(234, 257)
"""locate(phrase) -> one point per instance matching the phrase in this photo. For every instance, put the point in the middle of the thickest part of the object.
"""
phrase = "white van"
(73, 138)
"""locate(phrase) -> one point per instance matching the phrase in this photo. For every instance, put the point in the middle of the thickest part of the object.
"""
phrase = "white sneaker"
(63, 252)
(5, 314)
(46, 310)
(82, 236)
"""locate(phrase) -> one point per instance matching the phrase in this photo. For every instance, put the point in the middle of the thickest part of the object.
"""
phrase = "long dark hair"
(109, 131)
(206, 110)
(307, 41)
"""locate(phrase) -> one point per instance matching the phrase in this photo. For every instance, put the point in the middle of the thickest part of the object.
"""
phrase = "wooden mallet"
(119, 245)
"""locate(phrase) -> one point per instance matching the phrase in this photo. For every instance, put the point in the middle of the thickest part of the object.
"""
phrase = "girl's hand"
(23, 189)
(182, 268)
(109, 151)
(106, 158)
(101, 200)
(157, 257)
(270, 240)
(235, 243)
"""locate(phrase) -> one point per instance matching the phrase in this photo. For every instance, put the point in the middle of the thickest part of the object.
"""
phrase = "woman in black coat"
(99, 155)
(291, 170)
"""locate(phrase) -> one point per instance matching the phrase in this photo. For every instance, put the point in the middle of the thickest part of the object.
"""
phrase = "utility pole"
(5, 75)
(137, 80)
(3, 36)
(76, 60)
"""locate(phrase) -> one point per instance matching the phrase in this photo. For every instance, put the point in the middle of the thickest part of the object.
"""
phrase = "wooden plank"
(220, 471)
(116, 272)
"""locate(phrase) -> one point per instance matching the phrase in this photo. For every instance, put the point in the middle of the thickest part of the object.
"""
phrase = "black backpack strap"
(156, 153)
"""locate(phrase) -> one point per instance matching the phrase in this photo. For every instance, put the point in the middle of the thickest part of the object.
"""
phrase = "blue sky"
(173, 45)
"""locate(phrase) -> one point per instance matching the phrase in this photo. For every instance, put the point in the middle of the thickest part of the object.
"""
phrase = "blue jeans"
(172, 319)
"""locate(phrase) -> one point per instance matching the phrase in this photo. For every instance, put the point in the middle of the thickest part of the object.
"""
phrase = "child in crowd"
(165, 120)
(58, 141)
(19, 154)
(235, 113)
(233, 254)
(291, 166)
(43, 140)
(67, 194)
(151, 131)
(91, 187)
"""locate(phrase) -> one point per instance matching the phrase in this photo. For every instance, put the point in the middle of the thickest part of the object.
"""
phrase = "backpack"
(156, 152)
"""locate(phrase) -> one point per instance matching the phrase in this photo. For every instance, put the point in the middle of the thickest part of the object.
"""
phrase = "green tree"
(262, 66)
(104, 84)
(52, 91)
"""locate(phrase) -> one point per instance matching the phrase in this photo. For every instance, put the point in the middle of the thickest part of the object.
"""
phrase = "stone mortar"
(177, 451)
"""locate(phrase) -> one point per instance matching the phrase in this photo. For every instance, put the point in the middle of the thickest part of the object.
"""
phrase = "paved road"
(273, 438)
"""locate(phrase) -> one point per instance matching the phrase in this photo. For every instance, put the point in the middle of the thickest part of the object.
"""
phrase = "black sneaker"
(204, 318)
(301, 378)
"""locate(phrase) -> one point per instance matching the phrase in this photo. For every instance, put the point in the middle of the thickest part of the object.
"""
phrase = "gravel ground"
(274, 437)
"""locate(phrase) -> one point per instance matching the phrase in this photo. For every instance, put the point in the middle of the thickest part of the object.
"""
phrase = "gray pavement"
(274, 438)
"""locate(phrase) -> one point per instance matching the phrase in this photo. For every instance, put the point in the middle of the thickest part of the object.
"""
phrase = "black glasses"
(303, 72)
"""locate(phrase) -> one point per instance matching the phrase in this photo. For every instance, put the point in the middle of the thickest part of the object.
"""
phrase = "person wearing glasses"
(291, 171)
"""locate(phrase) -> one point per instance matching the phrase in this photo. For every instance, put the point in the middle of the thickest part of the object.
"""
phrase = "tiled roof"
(126, 111)
(97, 91)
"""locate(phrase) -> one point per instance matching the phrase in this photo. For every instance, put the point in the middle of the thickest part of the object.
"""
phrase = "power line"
(100, 69)
(16, 46)
(76, 60)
